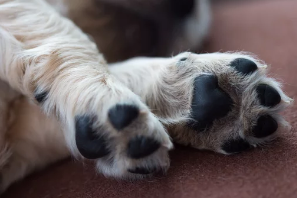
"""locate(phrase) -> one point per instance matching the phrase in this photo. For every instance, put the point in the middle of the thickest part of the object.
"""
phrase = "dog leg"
(222, 102)
(49, 60)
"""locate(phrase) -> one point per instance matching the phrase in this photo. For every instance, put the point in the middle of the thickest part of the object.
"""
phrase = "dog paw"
(106, 122)
(129, 142)
(221, 102)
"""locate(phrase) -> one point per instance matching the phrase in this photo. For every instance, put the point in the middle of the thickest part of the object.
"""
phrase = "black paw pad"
(235, 146)
(142, 170)
(89, 143)
(182, 8)
(209, 102)
(267, 95)
(122, 115)
(40, 97)
(244, 66)
(265, 126)
(141, 146)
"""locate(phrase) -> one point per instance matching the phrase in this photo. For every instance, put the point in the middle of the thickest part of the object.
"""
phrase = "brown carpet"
(266, 28)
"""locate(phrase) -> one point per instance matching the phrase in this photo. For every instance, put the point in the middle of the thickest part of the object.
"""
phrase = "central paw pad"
(209, 102)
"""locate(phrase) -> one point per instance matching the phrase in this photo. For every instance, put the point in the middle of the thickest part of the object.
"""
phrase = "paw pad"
(244, 66)
(209, 102)
(265, 126)
(89, 144)
(267, 95)
(142, 170)
(142, 146)
(235, 146)
(122, 115)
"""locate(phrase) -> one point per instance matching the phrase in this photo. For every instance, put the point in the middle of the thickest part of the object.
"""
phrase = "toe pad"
(265, 126)
(122, 115)
(142, 170)
(89, 144)
(244, 66)
(235, 146)
(267, 95)
(142, 146)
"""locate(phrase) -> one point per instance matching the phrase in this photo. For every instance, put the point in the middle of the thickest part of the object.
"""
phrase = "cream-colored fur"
(167, 87)
(41, 51)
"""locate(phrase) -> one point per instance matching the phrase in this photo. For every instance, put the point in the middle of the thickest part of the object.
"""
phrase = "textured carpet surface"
(266, 28)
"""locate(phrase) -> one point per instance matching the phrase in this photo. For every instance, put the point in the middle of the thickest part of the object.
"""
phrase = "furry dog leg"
(222, 102)
(53, 63)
